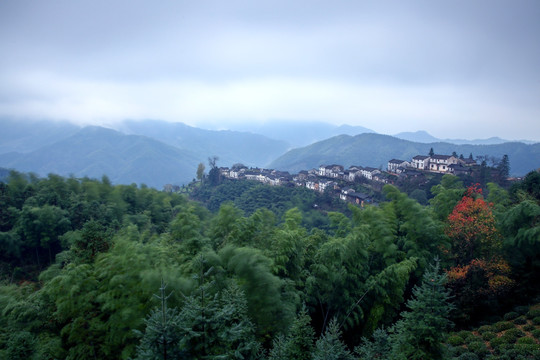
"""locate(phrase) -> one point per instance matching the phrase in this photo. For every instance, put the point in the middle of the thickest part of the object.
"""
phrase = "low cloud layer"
(455, 69)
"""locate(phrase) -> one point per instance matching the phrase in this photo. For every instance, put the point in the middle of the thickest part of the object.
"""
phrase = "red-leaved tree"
(471, 227)
(479, 276)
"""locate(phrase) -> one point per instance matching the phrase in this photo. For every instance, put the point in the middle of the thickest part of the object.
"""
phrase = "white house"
(420, 162)
(368, 172)
(344, 192)
(395, 165)
(330, 170)
(441, 163)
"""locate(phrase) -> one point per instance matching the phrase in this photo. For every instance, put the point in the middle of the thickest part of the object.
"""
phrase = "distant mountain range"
(96, 151)
(376, 150)
(231, 146)
(426, 138)
(150, 152)
(158, 152)
(299, 133)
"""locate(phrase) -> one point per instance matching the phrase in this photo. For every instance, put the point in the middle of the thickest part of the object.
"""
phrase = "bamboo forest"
(92, 270)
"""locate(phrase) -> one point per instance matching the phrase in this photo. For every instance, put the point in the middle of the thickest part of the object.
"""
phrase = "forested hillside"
(95, 151)
(90, 270)
(376, 150)
(148, 152)
(233, 147)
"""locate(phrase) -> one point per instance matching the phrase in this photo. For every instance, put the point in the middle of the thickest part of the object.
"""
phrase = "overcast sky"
(458, 69)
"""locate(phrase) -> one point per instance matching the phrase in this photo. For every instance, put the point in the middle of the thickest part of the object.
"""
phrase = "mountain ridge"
(133, 150)
(423, 136)
(375, 150)
(96, 151)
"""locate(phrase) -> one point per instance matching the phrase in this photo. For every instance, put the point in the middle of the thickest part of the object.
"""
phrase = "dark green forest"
(91, 270)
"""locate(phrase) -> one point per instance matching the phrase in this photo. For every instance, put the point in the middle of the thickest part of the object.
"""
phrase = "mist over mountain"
(28, 135)
(158, 152)
(150, 152)
(298, 133)
(376, 150)
(231, 146)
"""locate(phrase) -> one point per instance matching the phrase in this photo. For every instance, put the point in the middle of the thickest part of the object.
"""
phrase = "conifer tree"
(380, 348)
(162, 335)
(279, 349)
(298, 344)
(421, 331)
(330, 347)
(504, 167)
(214, 322)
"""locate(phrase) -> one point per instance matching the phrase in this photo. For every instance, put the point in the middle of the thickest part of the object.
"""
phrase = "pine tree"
(380, 348)
(214, 323)
(279, 349)
(421, 331)
(504, 167)
(301, 337)
(162, 335)
(330, 347)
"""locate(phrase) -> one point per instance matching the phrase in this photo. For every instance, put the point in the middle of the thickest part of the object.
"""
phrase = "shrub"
(529, 327)
(467, 336)
(511, 315)
(485, 328)
(468, 356)
(536, 320)
(528, 349)
(504, 348)
(522, 320)
(479, 348)
(508, 354)
(514, 332)
(503, 325)
(456, 351)
(497, 342)
(533, 313)
(521, 310)
(488, 335)
(511, 335)
(536, 333)
(455, 340)
(526, 340)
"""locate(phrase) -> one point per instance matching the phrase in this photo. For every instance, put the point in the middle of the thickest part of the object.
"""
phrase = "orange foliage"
(481, 276)
(471, 227)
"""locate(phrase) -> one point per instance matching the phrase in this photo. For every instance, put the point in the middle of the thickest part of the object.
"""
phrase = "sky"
(455, 68)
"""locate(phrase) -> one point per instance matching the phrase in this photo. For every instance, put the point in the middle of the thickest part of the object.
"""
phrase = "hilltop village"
(340, 180)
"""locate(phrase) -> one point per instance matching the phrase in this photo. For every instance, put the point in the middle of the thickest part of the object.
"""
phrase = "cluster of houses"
(445, 164)
(331, 176)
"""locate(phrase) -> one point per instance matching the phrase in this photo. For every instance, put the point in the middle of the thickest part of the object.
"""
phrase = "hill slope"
(95, 151)
(231, 146)
(376, 150)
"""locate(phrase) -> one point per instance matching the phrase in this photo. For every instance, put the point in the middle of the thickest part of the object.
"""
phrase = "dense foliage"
(91, 270)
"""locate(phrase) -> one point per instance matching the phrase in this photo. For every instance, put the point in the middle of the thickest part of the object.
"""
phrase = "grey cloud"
(485, 49)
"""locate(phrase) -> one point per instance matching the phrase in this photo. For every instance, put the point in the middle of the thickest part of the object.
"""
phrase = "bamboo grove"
(91, 270)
